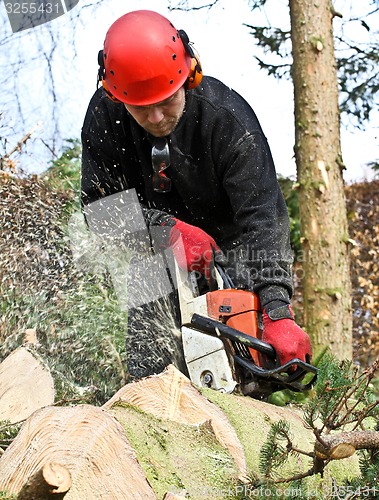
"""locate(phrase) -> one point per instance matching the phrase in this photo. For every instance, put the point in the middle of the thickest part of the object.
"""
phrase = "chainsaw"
(221, 334)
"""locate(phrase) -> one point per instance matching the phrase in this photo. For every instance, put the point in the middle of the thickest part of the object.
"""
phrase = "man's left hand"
(193, 248)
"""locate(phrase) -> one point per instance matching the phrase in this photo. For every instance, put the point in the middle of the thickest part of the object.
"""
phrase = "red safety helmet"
(146, 60)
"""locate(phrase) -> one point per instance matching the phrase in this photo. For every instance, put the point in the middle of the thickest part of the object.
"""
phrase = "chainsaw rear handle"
(280, 374)
(217, 328)
(283, 380)
(302, 367)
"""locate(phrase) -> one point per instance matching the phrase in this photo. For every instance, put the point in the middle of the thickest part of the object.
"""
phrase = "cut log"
(52, 482)
(26, 385)
(344, 444)
(170, 395)
(176, 446)
(88, 442)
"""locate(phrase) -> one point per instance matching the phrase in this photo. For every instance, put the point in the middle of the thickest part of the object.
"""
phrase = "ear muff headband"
(101, 70)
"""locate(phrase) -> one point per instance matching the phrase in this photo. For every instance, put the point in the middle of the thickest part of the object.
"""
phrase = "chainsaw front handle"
(215, 327)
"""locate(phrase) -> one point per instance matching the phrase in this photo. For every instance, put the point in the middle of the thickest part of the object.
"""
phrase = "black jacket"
(223, 179)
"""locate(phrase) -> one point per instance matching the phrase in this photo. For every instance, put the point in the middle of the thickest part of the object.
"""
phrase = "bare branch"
(184, 7)
(344, 444)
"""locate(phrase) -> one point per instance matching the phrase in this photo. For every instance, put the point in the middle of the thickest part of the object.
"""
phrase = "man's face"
(160, 119)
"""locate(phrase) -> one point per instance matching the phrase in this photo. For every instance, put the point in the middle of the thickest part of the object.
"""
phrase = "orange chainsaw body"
(238, 309)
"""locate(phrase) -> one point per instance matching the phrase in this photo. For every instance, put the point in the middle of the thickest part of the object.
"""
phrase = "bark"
(344, 444)
(326, 280)
(25, 385)
(52, 482)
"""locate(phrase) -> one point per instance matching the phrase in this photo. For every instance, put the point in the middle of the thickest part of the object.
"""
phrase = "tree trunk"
(326, 280)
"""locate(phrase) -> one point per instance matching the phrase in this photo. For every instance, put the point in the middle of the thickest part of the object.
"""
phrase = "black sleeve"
(264, 256)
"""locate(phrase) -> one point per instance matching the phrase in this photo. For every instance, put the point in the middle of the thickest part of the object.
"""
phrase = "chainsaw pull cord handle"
(226, 279)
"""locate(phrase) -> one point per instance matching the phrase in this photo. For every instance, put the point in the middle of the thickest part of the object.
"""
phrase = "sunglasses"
(160, 158)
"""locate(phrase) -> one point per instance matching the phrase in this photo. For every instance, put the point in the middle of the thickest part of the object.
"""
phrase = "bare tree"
(40, 66)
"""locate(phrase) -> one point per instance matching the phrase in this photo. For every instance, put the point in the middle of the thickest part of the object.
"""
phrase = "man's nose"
(155, 114)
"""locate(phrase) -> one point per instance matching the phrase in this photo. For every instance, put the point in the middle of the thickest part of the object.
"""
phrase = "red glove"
(287, 338)
(192, 247)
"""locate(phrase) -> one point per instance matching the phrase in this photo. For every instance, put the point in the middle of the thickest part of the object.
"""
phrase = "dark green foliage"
(343, 400)
(375, 167)
(274, 452)
(344, 395)
(81, 333)
(273, 41)
(359, 80)
(254, 4)
(64, 172)
(369, 465)
(367, 485)
(79, 322)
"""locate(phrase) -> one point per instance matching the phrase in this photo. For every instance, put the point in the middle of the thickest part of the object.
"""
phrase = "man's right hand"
(288, 339)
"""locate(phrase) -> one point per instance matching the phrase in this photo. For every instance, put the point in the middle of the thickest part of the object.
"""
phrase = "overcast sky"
(226, 51)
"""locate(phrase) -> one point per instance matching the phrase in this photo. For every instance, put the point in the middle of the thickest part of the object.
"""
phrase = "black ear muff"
(196, 73)
(101, 70)
(101, 76)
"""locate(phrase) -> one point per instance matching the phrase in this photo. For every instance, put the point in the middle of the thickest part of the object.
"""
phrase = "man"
(213, 186)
